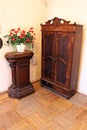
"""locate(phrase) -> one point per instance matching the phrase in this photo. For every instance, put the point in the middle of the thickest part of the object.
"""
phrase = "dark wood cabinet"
(61, 45)
(20, 67)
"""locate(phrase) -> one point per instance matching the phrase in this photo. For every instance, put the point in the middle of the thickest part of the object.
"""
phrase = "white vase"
(21, 47)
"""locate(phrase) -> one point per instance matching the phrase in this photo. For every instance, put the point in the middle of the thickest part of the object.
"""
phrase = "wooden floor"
(43, 110)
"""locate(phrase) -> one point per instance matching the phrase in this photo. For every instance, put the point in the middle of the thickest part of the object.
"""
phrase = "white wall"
(27, 13)
(23, 14)
(74, 11)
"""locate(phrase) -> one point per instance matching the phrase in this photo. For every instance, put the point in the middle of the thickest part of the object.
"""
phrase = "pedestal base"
(20, 92)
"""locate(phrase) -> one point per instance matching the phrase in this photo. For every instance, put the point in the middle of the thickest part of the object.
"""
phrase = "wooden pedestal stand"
(20, 67)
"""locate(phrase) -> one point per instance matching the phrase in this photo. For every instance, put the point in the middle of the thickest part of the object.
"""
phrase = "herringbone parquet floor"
(43, 110)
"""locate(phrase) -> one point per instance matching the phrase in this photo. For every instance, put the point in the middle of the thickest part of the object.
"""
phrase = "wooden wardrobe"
(61, 45)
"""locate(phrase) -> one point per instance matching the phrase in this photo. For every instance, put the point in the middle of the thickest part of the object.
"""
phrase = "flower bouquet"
(16, 37)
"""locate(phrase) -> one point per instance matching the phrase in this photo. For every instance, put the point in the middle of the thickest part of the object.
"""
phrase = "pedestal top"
(17, 55)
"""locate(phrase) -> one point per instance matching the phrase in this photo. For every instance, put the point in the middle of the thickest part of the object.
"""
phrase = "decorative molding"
(57, 21)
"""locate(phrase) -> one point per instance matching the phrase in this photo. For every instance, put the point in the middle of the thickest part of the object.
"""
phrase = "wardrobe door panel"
(64, 55)
(48, 44)
(48, 55)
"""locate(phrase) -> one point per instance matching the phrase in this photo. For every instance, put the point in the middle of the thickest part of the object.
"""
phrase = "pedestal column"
(20, 68)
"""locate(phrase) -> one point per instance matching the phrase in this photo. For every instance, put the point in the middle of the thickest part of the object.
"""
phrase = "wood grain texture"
(43, 110)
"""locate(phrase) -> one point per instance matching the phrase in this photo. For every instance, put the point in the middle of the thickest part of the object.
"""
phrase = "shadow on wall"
(5, 75)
